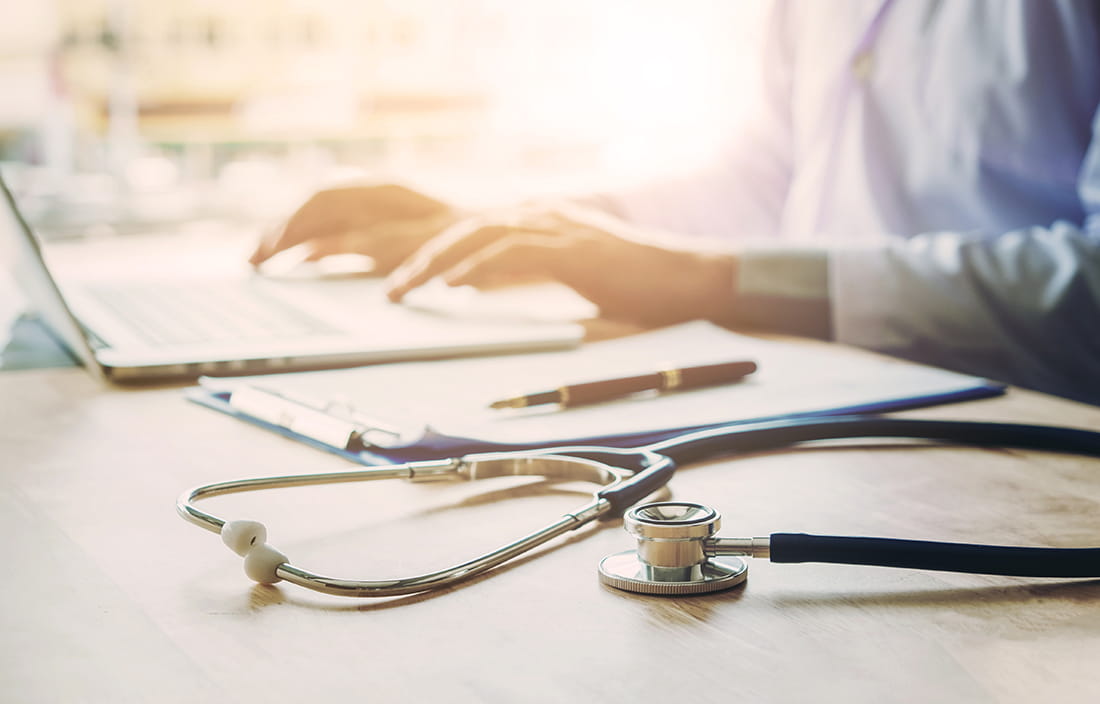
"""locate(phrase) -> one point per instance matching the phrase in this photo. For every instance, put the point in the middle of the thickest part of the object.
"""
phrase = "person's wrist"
(784, 291)
(716, 285)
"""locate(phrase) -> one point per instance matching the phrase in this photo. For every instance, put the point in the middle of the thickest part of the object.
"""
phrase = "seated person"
(923, 180)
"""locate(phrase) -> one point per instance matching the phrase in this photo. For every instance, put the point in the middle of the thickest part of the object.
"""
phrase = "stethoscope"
(677, 549)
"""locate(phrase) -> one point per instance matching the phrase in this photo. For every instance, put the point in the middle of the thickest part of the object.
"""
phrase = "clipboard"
(427, 410)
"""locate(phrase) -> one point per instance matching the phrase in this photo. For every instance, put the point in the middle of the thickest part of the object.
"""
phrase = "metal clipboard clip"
(332, 423)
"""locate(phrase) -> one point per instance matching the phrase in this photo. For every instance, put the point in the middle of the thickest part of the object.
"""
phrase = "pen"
(607, 389)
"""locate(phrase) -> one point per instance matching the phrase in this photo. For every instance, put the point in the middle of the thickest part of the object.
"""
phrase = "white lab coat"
(942, 159)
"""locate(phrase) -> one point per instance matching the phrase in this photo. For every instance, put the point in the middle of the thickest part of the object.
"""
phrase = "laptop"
(130, 321)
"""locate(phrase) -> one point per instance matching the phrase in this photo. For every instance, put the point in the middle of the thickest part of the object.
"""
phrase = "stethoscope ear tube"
(930, 555)
(641, 485)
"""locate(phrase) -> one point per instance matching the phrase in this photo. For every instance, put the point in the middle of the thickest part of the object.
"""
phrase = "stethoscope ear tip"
(249, 540)
(241, 536)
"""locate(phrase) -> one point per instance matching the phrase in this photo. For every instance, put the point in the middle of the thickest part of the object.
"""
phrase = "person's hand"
(599, 257)
(385, 222)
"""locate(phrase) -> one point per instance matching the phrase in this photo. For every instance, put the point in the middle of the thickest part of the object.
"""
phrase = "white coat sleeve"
(1021, 306)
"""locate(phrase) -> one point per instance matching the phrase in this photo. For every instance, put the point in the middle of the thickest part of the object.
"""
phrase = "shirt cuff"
(784, 291)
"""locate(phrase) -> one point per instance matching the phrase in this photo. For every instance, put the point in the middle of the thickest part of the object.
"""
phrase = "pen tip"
(508, 403)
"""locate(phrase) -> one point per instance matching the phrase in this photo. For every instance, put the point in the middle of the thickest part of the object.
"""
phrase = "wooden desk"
(109, 597)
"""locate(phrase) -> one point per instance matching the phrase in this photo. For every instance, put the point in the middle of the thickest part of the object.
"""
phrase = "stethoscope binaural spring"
(678, 551)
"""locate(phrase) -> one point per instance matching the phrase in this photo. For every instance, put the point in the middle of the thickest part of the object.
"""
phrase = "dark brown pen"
(608, 389)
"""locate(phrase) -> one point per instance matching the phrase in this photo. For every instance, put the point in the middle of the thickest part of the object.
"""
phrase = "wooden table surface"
(108, 596)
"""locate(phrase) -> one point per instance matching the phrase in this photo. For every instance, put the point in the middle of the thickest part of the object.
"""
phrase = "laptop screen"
(24, 254)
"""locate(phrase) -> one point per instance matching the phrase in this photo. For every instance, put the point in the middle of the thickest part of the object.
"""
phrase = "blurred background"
(123, 115)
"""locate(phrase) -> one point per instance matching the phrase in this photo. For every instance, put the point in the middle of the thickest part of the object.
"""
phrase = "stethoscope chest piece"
(672, 557)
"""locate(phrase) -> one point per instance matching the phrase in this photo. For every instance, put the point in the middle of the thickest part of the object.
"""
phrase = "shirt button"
(863, 64)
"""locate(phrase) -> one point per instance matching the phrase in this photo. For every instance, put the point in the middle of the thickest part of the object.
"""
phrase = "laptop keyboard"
(187, 313)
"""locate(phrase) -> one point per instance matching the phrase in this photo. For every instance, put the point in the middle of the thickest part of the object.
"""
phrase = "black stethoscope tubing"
(887, 552)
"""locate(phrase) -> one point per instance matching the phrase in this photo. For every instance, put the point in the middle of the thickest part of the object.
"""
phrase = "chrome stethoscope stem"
(738, 547)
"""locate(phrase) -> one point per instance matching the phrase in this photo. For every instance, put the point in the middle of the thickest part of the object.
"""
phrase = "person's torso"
(912, 116)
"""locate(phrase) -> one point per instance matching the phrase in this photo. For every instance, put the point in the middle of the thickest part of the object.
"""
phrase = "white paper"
(453, 396)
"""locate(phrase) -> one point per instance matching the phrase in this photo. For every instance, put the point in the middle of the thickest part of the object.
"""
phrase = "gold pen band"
(670, 379)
